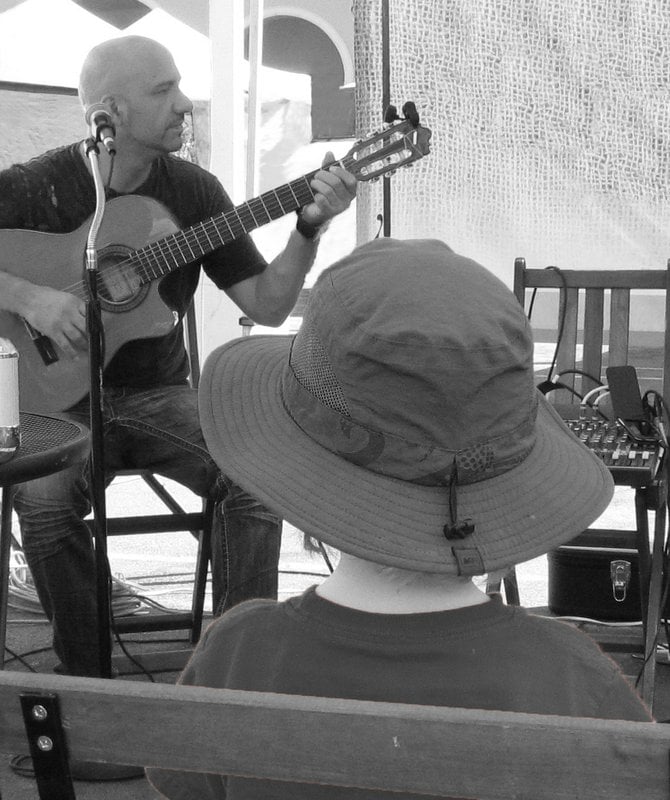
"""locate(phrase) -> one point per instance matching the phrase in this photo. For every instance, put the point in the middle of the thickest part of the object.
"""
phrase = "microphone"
(99, 120)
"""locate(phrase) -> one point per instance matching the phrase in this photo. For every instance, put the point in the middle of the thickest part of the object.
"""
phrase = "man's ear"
(115, 105)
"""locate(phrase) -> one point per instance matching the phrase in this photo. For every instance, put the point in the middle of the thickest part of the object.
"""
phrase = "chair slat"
(567, 348)
(596, 279)
(594, 308)
(619, 327)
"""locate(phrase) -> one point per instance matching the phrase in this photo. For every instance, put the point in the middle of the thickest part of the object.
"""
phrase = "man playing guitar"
(150, 414)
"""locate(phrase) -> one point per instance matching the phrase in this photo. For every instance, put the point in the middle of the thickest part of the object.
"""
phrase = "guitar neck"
(382, 153)
(186, 246)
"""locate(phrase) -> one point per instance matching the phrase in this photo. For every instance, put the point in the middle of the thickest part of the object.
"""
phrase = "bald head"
(112, 65)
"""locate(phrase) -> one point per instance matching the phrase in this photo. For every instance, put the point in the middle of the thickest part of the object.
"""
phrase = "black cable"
(580, 372)
(658, 410)
(561, 326)
(21, 657)
(130, 658)
(307, 574)
(533, 295)
(171, 640)
(325, 556)
(653, 648)
(547, 386)
(658, 397)
(111, 170)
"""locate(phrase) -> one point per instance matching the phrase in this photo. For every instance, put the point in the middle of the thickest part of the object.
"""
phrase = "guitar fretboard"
(186, 246)
(382, 153)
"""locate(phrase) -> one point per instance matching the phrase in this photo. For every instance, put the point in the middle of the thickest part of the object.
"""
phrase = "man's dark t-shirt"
(55, 193)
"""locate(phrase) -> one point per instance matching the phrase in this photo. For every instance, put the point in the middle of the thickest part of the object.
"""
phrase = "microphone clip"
(102, 129)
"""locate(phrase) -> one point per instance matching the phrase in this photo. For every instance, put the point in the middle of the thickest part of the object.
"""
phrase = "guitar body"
(130, 309)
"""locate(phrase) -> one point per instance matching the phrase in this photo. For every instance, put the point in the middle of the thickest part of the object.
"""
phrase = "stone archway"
(299, 45)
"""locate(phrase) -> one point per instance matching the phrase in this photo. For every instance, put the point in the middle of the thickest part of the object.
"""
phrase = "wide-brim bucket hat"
(401, 424)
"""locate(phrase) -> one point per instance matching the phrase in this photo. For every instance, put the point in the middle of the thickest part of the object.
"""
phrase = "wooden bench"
(438, 751)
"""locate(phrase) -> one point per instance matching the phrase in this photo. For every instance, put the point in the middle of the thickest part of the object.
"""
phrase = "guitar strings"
(145, 263)
(183, 247)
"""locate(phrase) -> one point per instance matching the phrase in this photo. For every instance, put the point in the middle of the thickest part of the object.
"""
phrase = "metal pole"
(254, 109)
(386, 102)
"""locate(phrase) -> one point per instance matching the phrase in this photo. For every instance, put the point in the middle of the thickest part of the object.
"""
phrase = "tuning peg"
(391, 114)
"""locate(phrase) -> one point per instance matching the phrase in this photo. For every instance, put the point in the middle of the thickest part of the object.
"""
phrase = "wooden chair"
(592, 332)
(437, 751)
(198, 523)
(584, 320)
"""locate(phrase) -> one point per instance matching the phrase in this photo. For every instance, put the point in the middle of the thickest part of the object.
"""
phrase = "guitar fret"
(203, 228)
(277, 208)
(145, 265)
(166, 252)
(178, 262)
(153, 270)
(261, 216)
(238, 211)
(158, 262)
(256, 223)
(247, 217)
(288, 185)
(280, 207)
(187, 243)
(183, 259)
(307, 195)
(265, 208)
(229, 226)
(235, 223)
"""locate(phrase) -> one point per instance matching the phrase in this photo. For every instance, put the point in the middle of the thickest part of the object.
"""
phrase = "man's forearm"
(269, 297)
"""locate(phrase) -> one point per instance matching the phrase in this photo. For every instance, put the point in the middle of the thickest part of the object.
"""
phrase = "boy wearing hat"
(402, 426)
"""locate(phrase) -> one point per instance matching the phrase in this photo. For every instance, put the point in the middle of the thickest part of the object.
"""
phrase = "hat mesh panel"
(313, 370)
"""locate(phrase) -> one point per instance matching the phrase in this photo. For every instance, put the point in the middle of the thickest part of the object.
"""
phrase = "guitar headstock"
(396, 146)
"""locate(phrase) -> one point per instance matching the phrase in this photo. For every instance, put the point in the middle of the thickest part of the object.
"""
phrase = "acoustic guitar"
(139, 243)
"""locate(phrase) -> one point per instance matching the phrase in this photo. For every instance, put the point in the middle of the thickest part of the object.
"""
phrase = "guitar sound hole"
(119, 285)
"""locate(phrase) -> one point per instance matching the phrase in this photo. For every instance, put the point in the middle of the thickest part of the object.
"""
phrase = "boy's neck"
(365, 586)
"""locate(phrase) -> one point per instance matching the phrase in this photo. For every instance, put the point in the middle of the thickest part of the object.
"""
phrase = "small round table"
(48, 445)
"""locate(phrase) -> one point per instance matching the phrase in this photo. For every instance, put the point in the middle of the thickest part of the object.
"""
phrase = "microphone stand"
(95, 332)
(386, 101)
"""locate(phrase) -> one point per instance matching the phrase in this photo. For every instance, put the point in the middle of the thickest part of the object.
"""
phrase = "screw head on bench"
(45, 743)
(39, 712)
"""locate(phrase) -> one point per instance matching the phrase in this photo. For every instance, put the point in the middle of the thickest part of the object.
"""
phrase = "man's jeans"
(157, 429)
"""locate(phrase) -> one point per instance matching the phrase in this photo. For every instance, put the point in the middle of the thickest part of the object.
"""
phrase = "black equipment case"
(596, 576)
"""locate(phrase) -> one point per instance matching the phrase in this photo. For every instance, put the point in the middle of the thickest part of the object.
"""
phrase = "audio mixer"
(631, 462)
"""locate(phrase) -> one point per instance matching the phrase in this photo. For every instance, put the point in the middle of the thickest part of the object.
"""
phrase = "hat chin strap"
(468, 558)
(455, 529)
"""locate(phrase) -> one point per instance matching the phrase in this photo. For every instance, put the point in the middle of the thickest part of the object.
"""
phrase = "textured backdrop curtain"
(551, 126)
